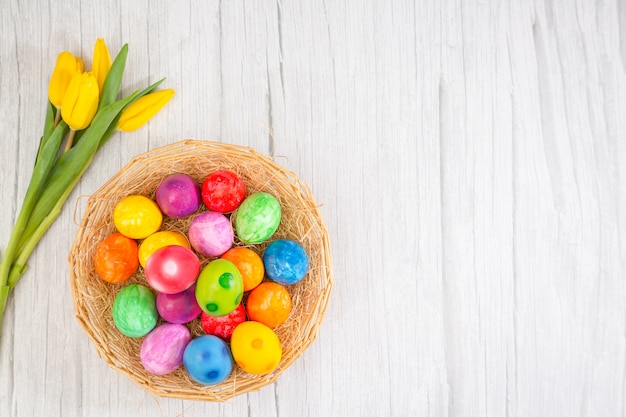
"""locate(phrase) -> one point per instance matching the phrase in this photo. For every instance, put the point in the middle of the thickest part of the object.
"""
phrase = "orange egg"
(249, 264)
(269, 303)
(116, 258)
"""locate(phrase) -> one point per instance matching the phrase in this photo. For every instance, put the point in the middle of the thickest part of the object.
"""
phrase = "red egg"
(172, 269)
(223, 326)
(223, 191)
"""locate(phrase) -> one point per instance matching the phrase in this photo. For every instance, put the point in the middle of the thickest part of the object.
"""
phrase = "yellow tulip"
(81, 101)
(67, 64)
(142, 110)
(101, 62)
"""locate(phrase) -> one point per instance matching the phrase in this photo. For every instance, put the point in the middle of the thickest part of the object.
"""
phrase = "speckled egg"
(255, 348)
(219, 288)
(208, 360)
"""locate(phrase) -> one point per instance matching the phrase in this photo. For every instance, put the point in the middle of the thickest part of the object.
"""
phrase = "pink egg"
(211, 233)
(178, 308)
(178, 196)
(162, 349)
(172, 269)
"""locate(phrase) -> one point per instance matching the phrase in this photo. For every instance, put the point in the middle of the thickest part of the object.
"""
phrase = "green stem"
(43, 166)
(19, 267)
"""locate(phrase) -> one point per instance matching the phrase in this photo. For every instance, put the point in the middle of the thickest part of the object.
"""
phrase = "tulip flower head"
(81, 101)
(101, 62)
(67, 65)
(142, 110)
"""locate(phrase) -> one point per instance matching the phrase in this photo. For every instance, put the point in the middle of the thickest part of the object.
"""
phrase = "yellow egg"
(160, 240)
(137, 217)
(255, 347)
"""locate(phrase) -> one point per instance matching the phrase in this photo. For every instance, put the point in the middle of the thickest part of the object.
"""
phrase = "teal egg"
(257, 218)
(219, 288)
(134, 311)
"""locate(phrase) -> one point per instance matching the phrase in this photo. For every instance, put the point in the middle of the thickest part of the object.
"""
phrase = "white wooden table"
(470, 160)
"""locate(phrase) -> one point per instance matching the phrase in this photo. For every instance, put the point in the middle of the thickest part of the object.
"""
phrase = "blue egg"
(285, 261)
(208, 360)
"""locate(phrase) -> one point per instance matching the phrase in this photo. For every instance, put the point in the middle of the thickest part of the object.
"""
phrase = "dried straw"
(301, 221)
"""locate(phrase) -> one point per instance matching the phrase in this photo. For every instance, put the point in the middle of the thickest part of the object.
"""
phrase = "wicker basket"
(301, 221)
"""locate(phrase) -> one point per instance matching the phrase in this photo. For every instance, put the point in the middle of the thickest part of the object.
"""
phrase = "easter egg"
(257, 218)
(172, 269)
(116, 259)
(178, 195)
(137, 216)
(223, 191)
(163, 348)
(249, 264)
(134, 311)
(223, 326)
(255, 348)
(208, 360)
(210, 233)
(269, 303)
(180, 307)
(219, 289)
(159, 240)
(285, 261)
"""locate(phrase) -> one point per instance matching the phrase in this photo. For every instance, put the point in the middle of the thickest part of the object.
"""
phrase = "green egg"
(257, 218)
(134, 311)
(219, 288)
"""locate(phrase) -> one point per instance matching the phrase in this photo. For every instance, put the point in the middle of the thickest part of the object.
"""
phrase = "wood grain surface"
(469, 158)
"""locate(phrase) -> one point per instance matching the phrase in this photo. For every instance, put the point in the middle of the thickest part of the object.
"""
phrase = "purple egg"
(178, 196)
(211, 233)
(178, 308)
(163, 348)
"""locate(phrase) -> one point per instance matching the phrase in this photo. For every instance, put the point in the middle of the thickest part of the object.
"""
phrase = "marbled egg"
(210, 233)
(178, 195)
(285, 261)
(137, 216)
(134, 311)
(257, 218)
(163, 348)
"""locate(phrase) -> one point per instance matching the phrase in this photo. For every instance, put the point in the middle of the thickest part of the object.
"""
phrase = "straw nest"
(301, 221)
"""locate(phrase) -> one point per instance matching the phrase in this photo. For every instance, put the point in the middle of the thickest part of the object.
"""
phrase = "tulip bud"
(81, 101)
(101, 62)
(67, 64)
(142, 110)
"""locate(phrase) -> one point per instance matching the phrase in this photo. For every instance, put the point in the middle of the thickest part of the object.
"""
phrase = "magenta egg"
(178, 308)
(172, 269)
(163, 348)
(178, 196)
(211, 233)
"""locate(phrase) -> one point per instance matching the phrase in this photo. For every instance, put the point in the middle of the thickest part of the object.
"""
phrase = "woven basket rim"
(91, 295)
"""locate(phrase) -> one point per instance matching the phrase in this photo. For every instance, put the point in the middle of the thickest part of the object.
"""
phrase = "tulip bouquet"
(83, 113)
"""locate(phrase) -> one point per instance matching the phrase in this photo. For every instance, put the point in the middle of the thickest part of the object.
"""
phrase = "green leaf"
(70, 166)
(48, 128)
